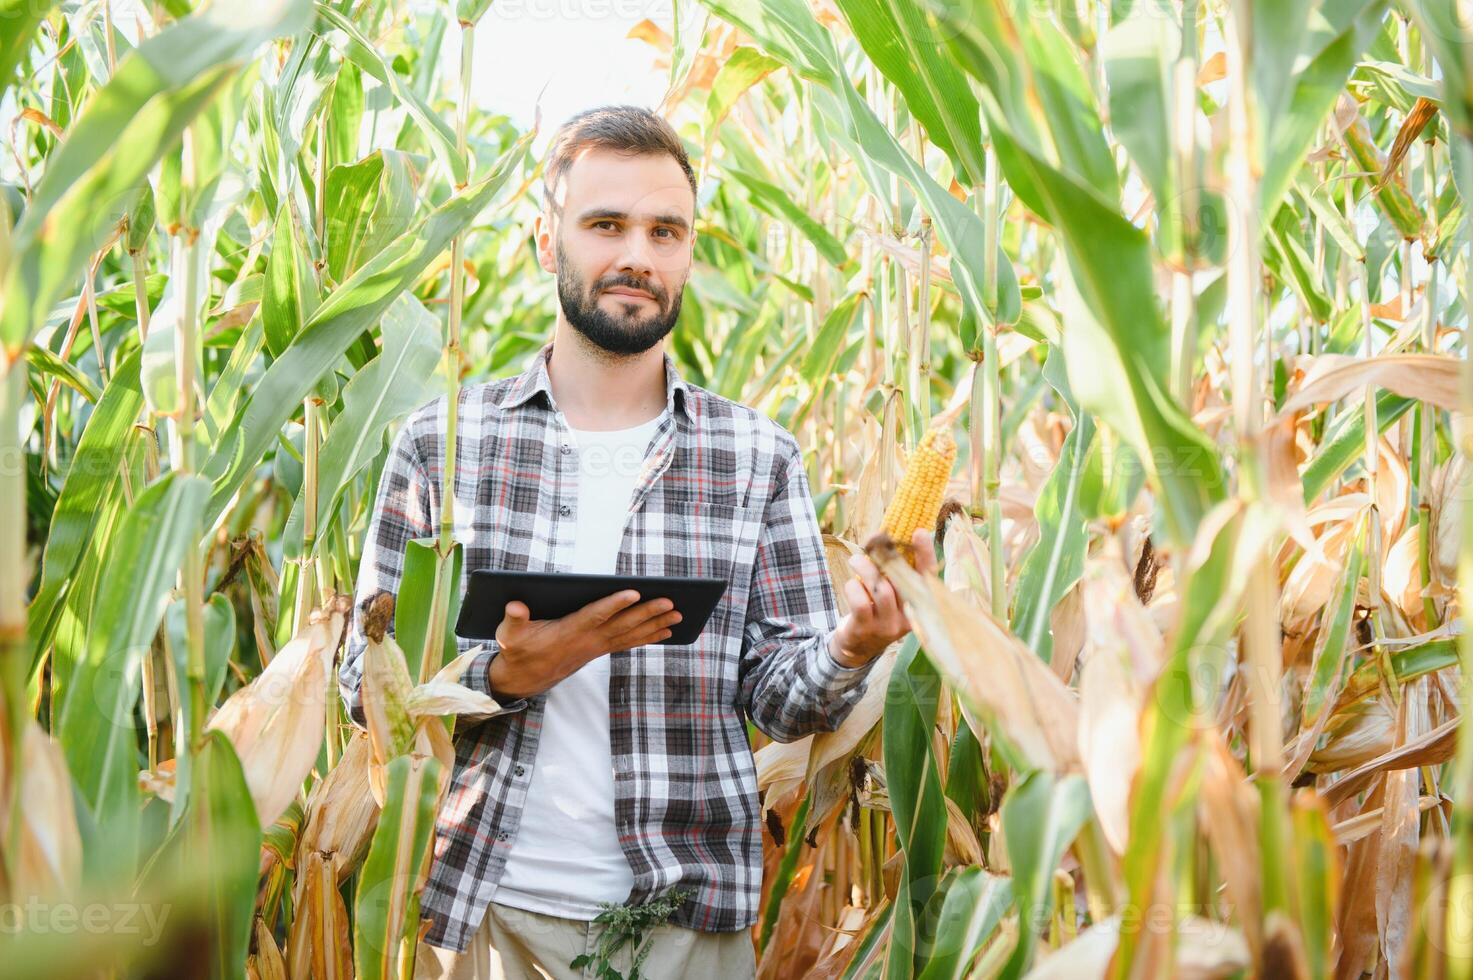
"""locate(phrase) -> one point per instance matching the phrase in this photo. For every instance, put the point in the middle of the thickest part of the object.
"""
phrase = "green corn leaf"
(1056, 562)
(900, 38)
(360, 50)
(219, 622)
(396, 866)
(95, 176)
(97, 730)
(746, 67)
(916, 800)
(369, 204)
(778, 203)
(291, 293)
(1041, 816)
(351, 309)
(1140, 54)
(386, 389)
(89, 480)
(21, 18)
(975, 903)
(415, 603)
(787, 30)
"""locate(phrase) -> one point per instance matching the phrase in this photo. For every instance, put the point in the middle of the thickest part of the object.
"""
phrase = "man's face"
(622, 247)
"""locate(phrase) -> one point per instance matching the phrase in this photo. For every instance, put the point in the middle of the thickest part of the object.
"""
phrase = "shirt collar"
(535, 379)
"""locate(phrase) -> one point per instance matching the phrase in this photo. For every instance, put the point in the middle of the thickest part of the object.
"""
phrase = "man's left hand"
(876, 617)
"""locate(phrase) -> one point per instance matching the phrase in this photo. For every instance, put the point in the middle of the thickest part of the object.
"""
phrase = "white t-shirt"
(566, 856)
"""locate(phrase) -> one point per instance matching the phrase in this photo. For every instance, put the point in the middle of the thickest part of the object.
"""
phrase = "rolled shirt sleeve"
(403, 511)
(791, 684)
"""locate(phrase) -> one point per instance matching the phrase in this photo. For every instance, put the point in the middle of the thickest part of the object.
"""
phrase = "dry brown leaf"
(1422, 113)
(276, 721)
(962, 846)
(266, 962)
(987, 665)
(1451, 484)
(878, 478)
(1214, 69)
(1393, 490)
(444, 695)
(1369, 822)
(782, 767)
(1400, 829)
(1401, 574)
(1331, 377)
(319, 945)
(1431, 749)
(1277, 446)
(652, 34)
(966, 566)
(1355, 922)
(1360, 733)
(1311, 583)
(341, 812)
(835, 955)
(1066, 624)
(1297, 752)
(1229, 813)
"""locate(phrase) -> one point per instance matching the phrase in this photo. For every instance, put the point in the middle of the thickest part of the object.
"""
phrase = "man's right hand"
(537, 653)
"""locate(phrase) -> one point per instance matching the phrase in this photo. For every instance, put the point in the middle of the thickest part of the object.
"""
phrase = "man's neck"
(600, 391)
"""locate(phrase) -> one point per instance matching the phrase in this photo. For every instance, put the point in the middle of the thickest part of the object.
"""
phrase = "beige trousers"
(515, 944)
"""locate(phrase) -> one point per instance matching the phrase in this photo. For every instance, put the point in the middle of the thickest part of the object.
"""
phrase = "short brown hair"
(627, 128)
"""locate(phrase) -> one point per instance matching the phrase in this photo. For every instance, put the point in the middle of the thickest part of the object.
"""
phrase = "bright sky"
(578, 49)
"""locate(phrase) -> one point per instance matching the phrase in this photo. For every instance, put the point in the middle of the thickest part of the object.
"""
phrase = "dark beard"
(615, 334)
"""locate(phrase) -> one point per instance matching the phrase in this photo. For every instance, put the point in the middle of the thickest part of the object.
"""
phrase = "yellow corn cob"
(917, 502)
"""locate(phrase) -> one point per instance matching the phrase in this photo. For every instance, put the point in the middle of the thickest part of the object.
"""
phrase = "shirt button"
(521, 770)
(503, 836)
(566, 450)
(565, 510)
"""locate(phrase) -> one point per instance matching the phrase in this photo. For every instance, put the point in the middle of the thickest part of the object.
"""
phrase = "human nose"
(637, 257)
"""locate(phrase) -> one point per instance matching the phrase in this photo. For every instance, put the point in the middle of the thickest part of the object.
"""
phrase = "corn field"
(1186, 281)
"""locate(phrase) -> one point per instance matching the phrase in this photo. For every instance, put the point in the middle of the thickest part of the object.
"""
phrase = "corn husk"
(444, 695)
(1451, 484)
(342, 812)
(266, 962)
(319, 945)
(1357, 734)
(276, 722)
(987, 665)
(49, 844)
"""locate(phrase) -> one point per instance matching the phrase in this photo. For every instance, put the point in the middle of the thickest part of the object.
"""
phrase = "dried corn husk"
(276, 722)
(1360, 732)
(1451, 484)
(49, 845)
(987, 665)
(444, 695)
(342, 812)
(320, 946)
(266, 962)
(404, 719)
(1122, 654)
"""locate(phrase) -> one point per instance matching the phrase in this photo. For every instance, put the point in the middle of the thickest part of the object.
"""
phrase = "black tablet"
(552, 595)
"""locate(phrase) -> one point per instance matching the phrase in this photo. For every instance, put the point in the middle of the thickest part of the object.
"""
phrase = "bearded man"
(619, 768)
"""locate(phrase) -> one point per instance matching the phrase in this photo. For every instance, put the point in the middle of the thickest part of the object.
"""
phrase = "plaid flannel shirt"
(723, 491)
